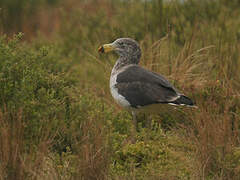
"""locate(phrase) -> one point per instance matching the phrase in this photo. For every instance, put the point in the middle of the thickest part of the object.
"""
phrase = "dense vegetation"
(58, 119)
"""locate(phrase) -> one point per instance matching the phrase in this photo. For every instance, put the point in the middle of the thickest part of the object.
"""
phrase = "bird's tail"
(183, 101)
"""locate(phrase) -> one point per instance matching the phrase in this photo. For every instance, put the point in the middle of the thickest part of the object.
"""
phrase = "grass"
(58, 119)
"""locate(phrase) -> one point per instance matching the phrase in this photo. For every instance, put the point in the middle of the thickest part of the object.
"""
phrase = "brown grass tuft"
(93, 153)
(215, 133)
(11, 145)
(18, 161)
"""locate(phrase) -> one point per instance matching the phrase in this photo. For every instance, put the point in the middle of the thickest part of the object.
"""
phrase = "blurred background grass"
(58, 119)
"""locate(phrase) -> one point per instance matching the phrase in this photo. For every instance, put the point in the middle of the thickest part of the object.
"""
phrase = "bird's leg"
(134, 120)
(134, 128)
(148, 121)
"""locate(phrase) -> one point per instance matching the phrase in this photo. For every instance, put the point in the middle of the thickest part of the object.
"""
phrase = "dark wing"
(142, 87)
(136, 73)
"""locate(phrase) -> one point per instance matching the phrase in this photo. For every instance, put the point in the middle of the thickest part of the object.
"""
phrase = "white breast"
(117, 97)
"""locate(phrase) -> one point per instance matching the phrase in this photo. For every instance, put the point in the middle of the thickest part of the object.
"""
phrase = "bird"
(136, 88)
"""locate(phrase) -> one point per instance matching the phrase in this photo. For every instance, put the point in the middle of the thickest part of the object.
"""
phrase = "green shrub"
(33, 82)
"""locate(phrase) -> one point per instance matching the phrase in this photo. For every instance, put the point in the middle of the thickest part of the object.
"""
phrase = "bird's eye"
(120, 44)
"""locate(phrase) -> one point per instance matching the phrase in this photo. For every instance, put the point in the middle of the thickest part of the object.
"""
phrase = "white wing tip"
(192, 106)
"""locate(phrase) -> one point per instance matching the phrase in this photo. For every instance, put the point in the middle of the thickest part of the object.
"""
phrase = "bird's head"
(124, 47)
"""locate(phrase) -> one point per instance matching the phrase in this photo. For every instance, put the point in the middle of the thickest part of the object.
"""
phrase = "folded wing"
(141, 87)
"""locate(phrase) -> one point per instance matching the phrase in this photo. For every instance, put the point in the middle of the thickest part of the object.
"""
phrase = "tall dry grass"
(18, 160)
(11, 145)
(93, 152)
(213, 127)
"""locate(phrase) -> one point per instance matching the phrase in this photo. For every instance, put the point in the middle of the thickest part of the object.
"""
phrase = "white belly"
(117, 97)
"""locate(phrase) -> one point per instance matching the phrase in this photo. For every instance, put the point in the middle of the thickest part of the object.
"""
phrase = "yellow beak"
(106, 48)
